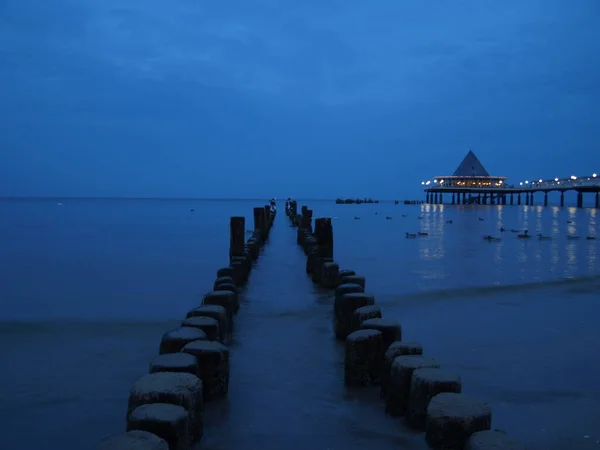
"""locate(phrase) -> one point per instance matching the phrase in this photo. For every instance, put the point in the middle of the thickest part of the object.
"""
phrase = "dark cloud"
(160, 98)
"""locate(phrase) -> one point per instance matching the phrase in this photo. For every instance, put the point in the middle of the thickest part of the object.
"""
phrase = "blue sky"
(311, 99)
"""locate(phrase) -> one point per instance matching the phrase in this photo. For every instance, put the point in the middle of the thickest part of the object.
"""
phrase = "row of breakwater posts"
(165, 410)
(412, 384)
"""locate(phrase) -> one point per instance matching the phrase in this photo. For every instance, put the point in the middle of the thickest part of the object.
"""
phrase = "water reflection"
(571, 267)
(572, 221)
(554, 257)
(539, 211)
(592, 221)
(523, 251)
(555, 219)
(456, 255)
(432, 245)
(591, 257)
(524, 217)
(438, 220)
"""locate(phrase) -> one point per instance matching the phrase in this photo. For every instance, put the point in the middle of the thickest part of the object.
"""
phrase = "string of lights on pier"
(573, 180)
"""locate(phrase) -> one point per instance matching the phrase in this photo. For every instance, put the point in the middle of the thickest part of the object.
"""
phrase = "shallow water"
(99, 282)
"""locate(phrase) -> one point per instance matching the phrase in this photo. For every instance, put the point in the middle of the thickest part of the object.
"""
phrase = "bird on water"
(491, 238)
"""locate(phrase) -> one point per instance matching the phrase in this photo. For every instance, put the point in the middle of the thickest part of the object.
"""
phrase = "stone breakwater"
(412, 384)
(165, 409)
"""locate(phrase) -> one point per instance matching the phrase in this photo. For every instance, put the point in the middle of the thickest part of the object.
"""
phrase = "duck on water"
(512, 230)
(490, 238)
(414, 235)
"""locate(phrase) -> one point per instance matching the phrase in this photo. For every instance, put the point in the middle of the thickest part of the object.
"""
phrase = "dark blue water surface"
(89, 286)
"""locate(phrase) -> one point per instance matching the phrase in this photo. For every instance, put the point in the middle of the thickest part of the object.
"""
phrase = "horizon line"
(76, 197)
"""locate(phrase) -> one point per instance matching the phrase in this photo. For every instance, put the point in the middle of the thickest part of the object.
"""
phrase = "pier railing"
(565, 183)
(571, 183)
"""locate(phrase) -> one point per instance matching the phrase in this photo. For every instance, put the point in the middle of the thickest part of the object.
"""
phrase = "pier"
(471, 184)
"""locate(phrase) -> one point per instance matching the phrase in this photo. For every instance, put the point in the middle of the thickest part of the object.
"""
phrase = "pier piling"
(180, 389)
(362, 358)
(398, 348)
(137, 440)
(173, 341)
(213, 363)
(174, 362)
(492, 440)
(426, 383)
(237, 235)
(348, 298)
(452, 419)
(168, 422)
(398, 388)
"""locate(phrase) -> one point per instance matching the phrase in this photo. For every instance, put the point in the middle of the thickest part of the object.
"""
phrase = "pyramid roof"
(470, 167)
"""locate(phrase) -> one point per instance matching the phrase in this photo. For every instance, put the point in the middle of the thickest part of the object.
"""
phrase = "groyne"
(165, 408)
(412, 384)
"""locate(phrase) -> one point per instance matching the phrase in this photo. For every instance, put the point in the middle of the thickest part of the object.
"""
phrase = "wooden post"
(304, 226)
(294, 212)
(307, 220)
(259, 218)
(324, 236)
(237, 234)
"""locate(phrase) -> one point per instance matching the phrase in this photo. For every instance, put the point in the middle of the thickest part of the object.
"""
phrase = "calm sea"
(89, 286)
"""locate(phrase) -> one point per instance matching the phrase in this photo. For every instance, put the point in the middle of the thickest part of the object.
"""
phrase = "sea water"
(87, 288)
